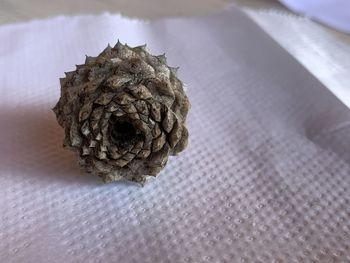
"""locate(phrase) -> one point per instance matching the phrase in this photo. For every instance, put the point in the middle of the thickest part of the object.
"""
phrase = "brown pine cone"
(124, 113)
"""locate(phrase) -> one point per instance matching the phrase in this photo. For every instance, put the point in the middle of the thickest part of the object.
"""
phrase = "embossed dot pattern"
(265, 178)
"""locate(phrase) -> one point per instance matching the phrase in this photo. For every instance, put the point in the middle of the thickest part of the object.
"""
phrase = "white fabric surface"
(334, 13)
(265, 178)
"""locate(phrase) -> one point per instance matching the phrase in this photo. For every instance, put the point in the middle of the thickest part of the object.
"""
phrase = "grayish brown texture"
(23, 10)
(124, 113)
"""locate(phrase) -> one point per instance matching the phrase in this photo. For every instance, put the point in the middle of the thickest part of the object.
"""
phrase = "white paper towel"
(334, 13)
(265, 178)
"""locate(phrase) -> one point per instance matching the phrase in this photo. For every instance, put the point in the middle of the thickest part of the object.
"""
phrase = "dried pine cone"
(124, 113)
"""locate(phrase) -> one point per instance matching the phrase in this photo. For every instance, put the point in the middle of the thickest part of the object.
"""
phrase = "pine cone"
(124, 113)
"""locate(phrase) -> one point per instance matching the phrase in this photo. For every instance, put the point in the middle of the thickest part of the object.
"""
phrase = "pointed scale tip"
(89, 59)
(69, 74)
(162, 58)
(118, 45)
(108, 48)
(174, 70)
(79, 66)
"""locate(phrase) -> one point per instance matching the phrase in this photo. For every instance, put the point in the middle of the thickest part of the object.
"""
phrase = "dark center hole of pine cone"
(122, 132)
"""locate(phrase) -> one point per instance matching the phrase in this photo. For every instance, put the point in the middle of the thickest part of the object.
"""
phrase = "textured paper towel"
(265, 178)
(334, 13)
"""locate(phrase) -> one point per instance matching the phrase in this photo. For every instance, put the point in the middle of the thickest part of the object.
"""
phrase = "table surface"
(307, 41)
